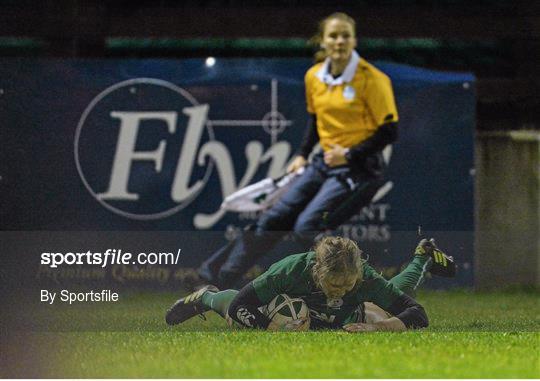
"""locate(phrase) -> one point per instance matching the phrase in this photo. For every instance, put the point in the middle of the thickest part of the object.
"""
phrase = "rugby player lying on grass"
(340, 289)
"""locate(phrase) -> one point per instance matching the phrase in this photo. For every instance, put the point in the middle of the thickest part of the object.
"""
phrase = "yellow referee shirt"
(351, 107)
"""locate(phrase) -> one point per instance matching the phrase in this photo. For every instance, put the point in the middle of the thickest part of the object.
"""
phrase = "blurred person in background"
(353, 116)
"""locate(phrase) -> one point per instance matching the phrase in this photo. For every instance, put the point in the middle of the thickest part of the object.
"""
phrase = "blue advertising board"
(156, 145)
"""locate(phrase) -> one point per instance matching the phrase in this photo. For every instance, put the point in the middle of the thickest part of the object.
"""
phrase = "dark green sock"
(412, 276)
(219, 301)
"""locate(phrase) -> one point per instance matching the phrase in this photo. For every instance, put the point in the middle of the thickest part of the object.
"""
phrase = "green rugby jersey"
(292, 276)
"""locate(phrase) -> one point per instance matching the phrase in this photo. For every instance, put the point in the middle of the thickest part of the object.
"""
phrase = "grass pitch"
(471, 335)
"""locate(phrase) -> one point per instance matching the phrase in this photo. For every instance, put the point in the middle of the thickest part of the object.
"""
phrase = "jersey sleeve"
(380, 99)
(380, 291)
(308, 83)
(273, 282)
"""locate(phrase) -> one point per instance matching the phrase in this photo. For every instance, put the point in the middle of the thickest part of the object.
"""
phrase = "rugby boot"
(442, 264)
(188, 306)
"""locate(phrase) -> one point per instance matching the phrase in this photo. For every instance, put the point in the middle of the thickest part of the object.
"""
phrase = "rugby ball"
(284, 309)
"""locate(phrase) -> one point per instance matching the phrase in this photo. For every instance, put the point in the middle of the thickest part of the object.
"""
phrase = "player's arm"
(408, 314)
(244, 309)
(391, 324)
(280, 278)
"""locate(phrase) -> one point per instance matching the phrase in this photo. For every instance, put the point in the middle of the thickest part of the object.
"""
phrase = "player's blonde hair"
(320, 54)
(337, 256)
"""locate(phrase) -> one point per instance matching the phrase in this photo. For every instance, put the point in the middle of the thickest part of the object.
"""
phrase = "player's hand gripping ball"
(287, 314)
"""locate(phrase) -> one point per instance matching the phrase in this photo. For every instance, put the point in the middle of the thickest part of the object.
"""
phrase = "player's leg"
(427, 258)
(412, 276)
(197, 303)
(408, 281)
(442, 264)
(219, 301)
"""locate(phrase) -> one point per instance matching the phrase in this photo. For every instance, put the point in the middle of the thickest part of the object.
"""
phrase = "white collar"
(345, 77)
